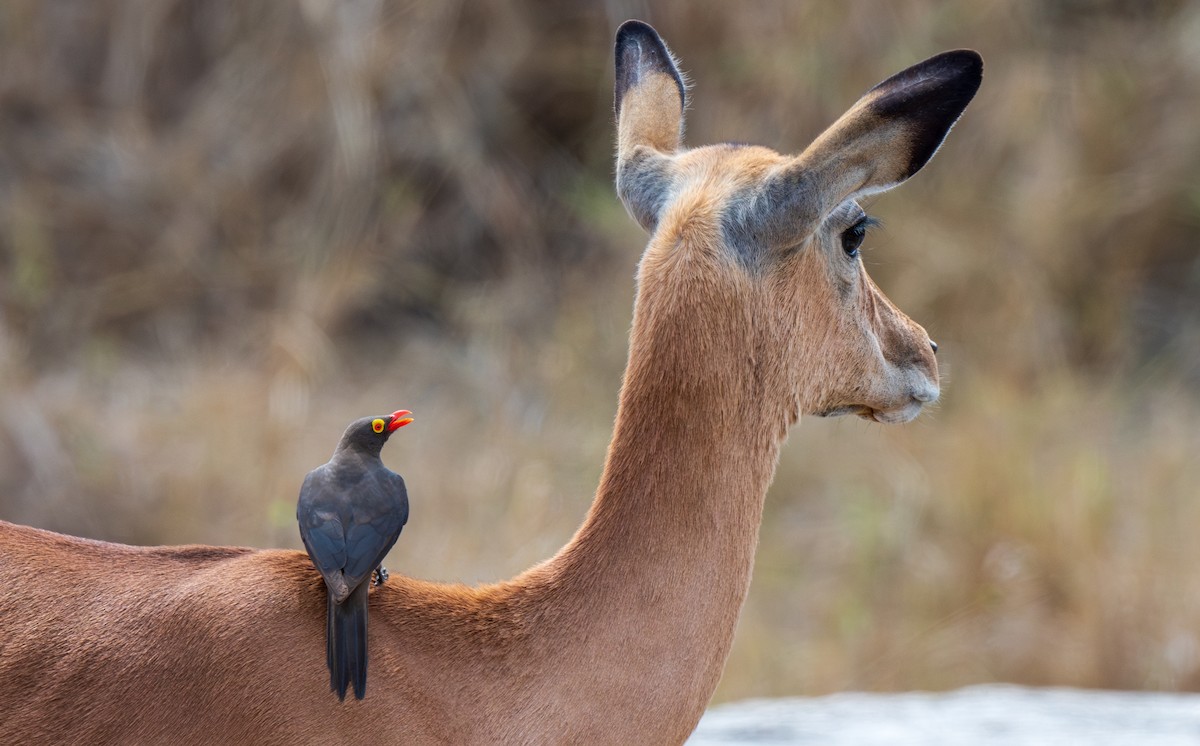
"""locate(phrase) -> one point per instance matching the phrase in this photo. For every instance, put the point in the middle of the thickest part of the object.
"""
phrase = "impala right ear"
(890, 133)
(649, 99)
(882, 140)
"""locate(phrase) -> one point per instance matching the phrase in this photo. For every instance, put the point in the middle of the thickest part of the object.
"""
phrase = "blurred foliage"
(227, 228)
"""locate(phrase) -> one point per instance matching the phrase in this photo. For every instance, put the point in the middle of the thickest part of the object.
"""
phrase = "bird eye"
(853, 237)
(377, 425)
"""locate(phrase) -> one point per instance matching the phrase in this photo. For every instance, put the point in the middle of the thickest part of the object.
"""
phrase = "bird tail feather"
(346, 643)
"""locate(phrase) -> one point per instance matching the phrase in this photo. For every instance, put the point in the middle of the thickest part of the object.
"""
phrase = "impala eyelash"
(868, 222)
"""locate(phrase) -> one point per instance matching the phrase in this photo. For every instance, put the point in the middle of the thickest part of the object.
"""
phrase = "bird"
(351, 511)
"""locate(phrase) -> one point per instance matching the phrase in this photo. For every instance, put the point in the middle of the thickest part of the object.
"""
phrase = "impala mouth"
(858, 409)
(907, 413)
(894, 416)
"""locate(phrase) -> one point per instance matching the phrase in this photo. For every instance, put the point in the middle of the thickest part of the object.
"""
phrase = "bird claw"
(379, 576)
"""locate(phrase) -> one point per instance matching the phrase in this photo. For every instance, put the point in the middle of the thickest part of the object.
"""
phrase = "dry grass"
(228, 228)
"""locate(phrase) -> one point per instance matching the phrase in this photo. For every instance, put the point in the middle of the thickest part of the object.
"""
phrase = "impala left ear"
(649, 100)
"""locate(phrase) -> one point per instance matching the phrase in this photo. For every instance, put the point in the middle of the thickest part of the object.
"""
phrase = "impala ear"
(897, 127)
(649, 99)
(889, 134)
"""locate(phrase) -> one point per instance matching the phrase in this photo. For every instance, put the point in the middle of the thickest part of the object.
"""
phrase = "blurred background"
(228, 227)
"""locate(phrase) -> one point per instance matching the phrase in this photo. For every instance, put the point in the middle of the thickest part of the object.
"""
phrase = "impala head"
(774, 238)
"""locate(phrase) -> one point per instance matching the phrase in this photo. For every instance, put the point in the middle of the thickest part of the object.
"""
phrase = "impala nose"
(933, 346)
(924, 390)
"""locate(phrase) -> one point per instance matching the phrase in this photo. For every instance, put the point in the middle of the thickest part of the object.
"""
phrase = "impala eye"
(852, 237)
(377, 425)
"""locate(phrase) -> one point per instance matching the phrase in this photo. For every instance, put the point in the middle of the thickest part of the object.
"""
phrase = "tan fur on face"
(747, 313)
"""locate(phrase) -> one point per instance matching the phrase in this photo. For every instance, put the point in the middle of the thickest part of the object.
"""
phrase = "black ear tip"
(963, 58)
(966, 65)
(959, 70)
(639, 44)
(947, 81)
(633, 29)
(639, 50)
(929, 96)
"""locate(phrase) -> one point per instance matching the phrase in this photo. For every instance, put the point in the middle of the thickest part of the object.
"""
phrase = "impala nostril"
(926, 393)
(933, 346)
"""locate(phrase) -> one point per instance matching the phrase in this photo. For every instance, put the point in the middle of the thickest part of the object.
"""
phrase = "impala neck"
(656, 576)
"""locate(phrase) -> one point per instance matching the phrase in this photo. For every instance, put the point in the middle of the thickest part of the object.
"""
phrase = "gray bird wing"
(321, 526)
(380, 509)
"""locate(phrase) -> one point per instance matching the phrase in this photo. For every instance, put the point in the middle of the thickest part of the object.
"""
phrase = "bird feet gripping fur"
(379, 576)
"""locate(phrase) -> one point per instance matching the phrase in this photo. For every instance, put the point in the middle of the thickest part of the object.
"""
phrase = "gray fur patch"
(643, 185)
(771, 215)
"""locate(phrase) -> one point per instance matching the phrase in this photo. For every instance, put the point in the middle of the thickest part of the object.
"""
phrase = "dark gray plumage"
(351, 511)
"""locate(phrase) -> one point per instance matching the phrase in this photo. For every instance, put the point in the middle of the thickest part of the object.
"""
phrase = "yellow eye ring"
(378, 425)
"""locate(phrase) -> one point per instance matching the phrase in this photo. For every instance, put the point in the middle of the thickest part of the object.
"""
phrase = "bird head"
(385, 426)
(370, 433)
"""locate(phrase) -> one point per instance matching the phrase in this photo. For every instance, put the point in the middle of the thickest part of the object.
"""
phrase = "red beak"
(400, 418)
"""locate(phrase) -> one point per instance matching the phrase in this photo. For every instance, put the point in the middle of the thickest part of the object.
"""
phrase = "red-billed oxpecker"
(351, 511)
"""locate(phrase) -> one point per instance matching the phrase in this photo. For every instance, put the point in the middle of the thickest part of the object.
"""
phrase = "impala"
(752, 308)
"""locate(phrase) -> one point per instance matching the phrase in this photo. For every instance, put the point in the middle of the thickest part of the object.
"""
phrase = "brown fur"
(621, 637)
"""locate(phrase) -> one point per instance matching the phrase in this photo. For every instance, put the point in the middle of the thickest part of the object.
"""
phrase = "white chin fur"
(907, 413)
